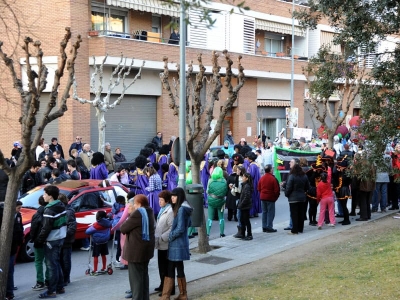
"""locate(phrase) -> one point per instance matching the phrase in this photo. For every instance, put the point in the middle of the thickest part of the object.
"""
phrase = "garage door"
(51, 129)
(130, 125)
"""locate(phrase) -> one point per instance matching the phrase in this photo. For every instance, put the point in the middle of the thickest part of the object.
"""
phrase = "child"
(325, 196)
(117, 212)
(100, 232)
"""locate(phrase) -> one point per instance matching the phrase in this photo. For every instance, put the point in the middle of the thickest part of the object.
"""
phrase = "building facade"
(138, 29)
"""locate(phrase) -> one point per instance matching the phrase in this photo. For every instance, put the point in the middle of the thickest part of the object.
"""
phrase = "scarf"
(145, 224)
(162, 209)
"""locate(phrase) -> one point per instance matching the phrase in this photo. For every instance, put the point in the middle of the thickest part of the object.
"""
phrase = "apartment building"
(138, 29)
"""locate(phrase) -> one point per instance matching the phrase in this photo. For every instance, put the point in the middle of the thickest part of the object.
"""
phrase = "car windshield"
(31, 198)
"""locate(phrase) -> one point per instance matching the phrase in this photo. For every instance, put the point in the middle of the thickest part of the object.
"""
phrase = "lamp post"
(182, 97)
(292, 60)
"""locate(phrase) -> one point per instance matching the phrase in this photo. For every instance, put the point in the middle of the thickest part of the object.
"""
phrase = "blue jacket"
(178, 246)
(100, 231)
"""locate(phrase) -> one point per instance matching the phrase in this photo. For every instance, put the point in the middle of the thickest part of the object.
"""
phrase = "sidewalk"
(229, 253)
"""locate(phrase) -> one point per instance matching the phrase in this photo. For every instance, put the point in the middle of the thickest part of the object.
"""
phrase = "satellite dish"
(176, 152)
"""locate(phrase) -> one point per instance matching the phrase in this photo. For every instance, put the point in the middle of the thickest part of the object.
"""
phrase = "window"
(107, 19)
(155, 23)
(273, 44)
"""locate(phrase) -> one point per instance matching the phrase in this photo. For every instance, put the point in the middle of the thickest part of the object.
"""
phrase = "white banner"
(292, 117)
(302, 132)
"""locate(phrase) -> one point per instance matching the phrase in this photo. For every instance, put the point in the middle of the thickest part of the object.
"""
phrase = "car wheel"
(26, 252)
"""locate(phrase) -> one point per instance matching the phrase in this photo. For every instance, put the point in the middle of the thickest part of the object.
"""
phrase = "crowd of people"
(156, 215)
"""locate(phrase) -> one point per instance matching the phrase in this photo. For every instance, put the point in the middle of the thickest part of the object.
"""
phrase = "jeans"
(139, 280)
(10, 280)
(268, 214)
(39, 259)
(52, 256)
(380, 193)
(238, 217)
(65, 262)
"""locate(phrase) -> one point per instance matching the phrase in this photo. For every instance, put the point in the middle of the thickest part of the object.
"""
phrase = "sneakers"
(85, 248)
(39, 286)
(93, 273)
(331, 225)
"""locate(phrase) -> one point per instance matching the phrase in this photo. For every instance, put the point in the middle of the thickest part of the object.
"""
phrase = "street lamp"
(182, 98)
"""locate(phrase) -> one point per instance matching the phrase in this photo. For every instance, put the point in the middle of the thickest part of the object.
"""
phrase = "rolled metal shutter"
(130, 125)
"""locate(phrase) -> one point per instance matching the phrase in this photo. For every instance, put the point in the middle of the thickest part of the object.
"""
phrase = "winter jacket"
(54, 223)
(71, 227)
(3, 185)
(99, 172)
(18, 234)
(216, 192)
(109, 160)
(57, 147)
(245, 201)
(36, 226)
(296, 188)
(100, 231)
(119, 158)
(324, 190)
(163, 228)
(137, 250)
(28, 182)
(268, 187)
(178, 246)
(86, 157)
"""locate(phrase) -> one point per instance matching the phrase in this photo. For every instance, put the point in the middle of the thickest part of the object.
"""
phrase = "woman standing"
(295, 190)
(164, 223)
(139, 245)
(178, 246)
(216, 192)
(244, 205)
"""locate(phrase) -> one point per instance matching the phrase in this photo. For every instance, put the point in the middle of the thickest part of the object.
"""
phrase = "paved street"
(229, 253)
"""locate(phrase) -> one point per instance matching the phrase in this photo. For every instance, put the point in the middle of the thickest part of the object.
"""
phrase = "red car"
(86, 198)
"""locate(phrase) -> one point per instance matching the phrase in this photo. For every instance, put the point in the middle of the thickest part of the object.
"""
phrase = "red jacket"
(268, 187)
(324, 190)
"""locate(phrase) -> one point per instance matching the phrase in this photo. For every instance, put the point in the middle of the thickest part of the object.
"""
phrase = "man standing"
(52, 236)
(46, 152)
(157, 140)
(55, 146)
(268, 187)
(29, 178)
(108, 158)
(229, 137)
(77, 145)
(86, 156)
(60, 160)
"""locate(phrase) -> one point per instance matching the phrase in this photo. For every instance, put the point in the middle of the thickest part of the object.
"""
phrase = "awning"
(153, 6)
(279, 27)
(275, 103)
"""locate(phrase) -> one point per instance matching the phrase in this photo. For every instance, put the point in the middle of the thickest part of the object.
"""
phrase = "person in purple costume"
(139, 178)
(154, 187)
(99, 169)
(254, 171)
(163, 158)
(204, 176)
(153, 156)
(172, 176)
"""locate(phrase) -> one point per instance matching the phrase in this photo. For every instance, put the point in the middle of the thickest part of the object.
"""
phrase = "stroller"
(109, 269)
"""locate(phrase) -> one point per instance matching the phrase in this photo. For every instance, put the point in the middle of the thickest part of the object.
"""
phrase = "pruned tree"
(30, 105)
(200, 112)
(102, 102)
(328, 73)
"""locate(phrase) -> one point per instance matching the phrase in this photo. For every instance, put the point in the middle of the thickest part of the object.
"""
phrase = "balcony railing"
(140, 35)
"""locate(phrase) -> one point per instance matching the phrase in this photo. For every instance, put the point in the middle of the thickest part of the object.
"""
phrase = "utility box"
(195, 197)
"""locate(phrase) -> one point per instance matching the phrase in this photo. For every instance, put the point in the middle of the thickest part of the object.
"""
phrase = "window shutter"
(197, 33)
(248, 36)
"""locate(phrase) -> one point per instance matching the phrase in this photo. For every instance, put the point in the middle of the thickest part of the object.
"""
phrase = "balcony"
(140, 35)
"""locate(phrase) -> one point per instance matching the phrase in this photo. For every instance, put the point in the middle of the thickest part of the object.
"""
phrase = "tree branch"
(164, 76)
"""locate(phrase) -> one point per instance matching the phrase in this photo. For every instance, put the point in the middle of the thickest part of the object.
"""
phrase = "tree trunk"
(102, 129)
(7, 227)
(203, 244)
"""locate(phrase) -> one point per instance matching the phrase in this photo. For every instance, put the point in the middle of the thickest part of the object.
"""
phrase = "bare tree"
(102, 103)
(200, 112)
(326, 74)
(30, 99)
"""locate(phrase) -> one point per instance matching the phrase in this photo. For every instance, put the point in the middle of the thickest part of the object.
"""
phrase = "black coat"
(28, 182)
(57, 147)
(71, 227)
(245, 201)
(296, 188)
(3, 185)
(36, 226)
(18, 234)
(230, 199)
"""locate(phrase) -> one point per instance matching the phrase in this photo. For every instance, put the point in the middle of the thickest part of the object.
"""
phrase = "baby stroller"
(109, 269)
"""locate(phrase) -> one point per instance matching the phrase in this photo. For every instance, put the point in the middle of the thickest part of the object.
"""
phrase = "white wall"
(273, 89)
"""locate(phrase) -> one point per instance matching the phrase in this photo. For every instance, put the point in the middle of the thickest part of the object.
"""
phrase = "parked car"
(85, 197)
